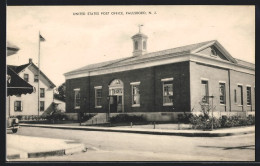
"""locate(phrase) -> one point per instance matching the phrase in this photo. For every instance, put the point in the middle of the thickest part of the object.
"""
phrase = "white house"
(28, 104)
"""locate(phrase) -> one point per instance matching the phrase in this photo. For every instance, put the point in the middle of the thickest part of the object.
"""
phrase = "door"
(119, 104)
(116, 88)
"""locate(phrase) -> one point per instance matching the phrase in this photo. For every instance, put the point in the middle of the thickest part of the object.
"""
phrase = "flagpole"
(39, 77)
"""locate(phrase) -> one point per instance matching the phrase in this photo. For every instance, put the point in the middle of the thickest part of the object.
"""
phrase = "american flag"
(41, 38)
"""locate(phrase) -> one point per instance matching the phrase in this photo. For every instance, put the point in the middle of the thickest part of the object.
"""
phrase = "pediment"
(215, 50)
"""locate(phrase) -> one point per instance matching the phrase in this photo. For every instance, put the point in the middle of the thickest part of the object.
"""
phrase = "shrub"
(184, 118)
(205, 122)
(19, 117)
(124, 118)
(57, 115)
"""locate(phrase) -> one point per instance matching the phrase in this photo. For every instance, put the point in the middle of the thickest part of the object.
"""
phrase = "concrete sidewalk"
(22, 147)
(188, 133)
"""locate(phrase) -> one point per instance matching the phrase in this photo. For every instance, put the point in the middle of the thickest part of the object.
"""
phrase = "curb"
(155, 132)
(61, 152)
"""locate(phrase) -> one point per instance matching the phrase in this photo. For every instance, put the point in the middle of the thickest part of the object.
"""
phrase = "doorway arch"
(116, 89)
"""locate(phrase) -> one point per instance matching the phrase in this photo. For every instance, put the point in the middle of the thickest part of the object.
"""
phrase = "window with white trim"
(248, 94)
(77, 98)
(167, 91)
(26, 77)
(240, 95)
(135, 94)
(222, 93)
(42, 105)
(36, 78)
(98, 96)
(18, 106)
(204, 91)
(42, 92)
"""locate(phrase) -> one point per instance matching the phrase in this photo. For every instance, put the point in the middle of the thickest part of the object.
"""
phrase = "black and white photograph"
(130, 83)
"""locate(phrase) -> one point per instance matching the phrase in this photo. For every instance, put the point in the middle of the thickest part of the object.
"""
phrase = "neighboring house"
(15, 84)
(27, 104)
(160, 85)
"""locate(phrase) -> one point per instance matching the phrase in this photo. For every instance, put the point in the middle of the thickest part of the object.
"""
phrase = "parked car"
(12, 124)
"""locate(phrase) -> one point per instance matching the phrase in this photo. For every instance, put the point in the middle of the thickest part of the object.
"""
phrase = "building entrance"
(116, 89)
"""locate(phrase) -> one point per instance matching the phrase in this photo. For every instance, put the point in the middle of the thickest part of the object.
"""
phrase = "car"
(13, 124)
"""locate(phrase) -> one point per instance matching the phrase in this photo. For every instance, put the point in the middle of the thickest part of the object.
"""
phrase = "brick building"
(160, 85)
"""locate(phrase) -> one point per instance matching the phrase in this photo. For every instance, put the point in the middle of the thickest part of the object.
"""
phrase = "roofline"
(164, 61)
(32, 64)
(53, 85)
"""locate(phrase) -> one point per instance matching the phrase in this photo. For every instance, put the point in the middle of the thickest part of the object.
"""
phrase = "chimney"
(30, 60)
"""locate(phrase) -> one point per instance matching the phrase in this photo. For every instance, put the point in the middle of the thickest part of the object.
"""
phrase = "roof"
(11, 48)
(16, 85)
(159, 54)
(244, 63)
(139, 35)
(20, 68)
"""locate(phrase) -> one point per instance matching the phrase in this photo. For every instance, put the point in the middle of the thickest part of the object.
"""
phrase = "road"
(113, 146)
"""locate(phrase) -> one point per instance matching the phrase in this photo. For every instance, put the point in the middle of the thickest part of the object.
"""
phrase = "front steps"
(99, 118)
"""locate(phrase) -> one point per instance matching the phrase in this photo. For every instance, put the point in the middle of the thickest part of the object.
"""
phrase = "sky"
(74, 41)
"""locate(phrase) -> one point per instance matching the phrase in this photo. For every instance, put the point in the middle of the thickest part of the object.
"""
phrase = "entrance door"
(119, 104)
(116, 88)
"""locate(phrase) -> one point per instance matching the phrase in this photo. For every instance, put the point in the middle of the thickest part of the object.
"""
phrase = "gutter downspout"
(229, 90)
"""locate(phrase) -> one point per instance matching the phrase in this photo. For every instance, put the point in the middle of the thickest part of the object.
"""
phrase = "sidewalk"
(188, 133)
(22, 147)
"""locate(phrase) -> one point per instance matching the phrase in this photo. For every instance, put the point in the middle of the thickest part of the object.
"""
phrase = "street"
(113, 146)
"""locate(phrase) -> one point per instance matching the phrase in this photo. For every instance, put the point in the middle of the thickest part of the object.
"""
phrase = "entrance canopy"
(16, 85)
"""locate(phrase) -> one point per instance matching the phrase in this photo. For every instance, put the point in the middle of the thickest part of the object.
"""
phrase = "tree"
(60, 93)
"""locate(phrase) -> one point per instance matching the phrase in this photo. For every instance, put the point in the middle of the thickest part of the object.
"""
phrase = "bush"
(124, 118)
(57, 115)
(205, 122)
(184, 118)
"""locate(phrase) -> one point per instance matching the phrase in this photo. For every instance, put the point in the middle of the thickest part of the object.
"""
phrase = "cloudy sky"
(73, 41)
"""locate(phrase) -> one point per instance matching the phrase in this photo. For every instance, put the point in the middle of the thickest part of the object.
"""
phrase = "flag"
(41, 38)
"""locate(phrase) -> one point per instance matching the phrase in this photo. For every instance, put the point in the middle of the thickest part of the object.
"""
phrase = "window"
(26, 77)
(42, 92)
(213, 52)
(77, 99)
(18, 106)
(144, 45)
(36, 78)
(41, 105)
(135, 94)
(235, 96)
(222, 93)
(204, 91)
(98, 96)
(136, 45)
(240, 93)
(248, 94)
(167, 91)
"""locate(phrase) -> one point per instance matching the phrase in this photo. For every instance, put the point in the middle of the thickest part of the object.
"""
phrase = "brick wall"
(215, 75)
(150, 89)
